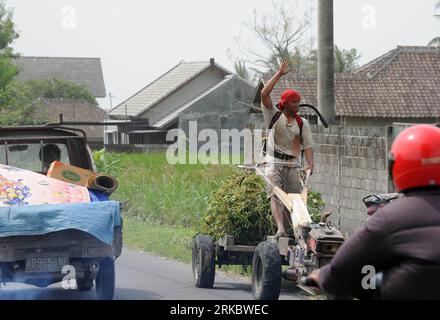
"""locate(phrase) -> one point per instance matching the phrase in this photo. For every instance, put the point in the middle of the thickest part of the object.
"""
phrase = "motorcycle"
(373, 203)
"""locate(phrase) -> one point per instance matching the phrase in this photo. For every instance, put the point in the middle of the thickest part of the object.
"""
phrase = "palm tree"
(346, 60)
(436, 41)
(241, 70)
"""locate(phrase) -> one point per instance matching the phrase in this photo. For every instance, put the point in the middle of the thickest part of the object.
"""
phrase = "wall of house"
(224, 108)
(197, 85)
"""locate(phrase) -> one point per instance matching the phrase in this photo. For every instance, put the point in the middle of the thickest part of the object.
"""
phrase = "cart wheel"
(203, 262)
(266, 272)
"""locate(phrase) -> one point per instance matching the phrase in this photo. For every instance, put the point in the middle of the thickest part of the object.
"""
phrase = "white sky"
(138, 41)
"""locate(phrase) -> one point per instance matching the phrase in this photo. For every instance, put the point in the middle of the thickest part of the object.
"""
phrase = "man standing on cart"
(287, 135)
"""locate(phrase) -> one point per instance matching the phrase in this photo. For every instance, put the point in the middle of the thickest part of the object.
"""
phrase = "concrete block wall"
(350, 163)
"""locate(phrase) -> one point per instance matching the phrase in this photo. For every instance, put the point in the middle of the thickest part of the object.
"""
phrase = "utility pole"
(312, 23)
(326, 74)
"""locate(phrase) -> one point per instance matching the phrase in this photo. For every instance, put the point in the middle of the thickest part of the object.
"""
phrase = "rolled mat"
(103, 182)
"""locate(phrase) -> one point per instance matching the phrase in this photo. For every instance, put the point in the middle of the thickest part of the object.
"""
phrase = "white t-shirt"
(285, 137)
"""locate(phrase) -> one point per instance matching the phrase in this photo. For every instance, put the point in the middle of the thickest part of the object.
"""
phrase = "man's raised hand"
(284, 68)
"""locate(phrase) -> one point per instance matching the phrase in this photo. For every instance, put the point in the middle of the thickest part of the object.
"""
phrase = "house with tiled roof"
(81, 71)
(190, 91)
(372, 105)
(72, 110)
(85, 72)
(402, 85)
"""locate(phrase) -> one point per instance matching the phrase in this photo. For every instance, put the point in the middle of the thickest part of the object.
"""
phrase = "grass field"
(167, 241)
(162, 203)
(154, 191)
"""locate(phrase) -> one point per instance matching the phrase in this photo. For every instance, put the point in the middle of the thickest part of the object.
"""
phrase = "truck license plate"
(47, 262)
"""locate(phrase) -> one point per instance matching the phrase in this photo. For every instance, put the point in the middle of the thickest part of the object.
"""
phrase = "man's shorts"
(286, 177)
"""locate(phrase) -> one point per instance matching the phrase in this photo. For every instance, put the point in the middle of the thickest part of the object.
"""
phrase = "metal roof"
(162, 87)
(178, 111)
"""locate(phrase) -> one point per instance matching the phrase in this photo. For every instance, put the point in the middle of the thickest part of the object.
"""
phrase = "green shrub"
(106, 163)
(315, 205)
(240, 208)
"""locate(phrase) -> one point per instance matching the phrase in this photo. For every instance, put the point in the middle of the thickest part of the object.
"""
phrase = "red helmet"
(414, 160)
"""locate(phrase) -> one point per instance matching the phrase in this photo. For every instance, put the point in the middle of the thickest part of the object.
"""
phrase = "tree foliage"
(15, 98)
(8, 35)
(19, 100)
(344, 61)
(55, 88)
(241, 70)
(436, 41)
(281, 33)
(18, 105)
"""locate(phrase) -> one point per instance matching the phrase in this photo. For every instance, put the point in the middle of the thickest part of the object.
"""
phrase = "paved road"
(143, 276)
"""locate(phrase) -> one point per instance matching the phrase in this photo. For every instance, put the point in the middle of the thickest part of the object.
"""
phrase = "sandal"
(282, 234)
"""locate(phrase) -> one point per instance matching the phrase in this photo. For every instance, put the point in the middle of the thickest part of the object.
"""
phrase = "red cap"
(289, 95)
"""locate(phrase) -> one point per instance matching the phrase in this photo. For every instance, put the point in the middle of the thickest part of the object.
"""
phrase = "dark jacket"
(402, 239)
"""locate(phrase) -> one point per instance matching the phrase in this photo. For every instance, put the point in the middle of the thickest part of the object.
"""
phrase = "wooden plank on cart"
(296, 203)
(240, 248)
(227, 242)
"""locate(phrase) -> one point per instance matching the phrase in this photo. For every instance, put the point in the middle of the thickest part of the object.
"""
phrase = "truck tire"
(84, 284)
(266, 272)
(203, 262)
(105, 279)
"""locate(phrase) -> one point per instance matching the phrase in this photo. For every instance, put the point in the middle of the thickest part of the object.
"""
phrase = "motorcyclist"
(402, 239)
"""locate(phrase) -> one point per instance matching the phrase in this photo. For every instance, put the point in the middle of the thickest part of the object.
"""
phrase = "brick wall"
(350, 163)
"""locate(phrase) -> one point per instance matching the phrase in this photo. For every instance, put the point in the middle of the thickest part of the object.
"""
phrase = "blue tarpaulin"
(96, 195)
(95, 218)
